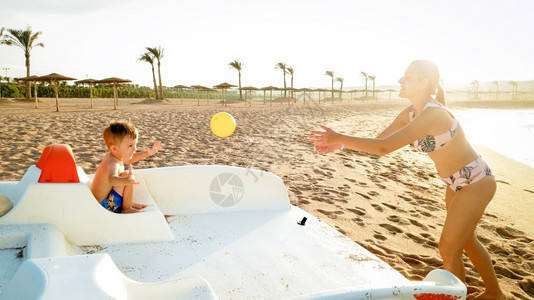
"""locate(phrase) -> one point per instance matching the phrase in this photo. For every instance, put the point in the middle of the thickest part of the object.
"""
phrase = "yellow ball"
(222, 124)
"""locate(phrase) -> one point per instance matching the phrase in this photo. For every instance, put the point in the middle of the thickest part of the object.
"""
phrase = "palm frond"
(236, 65)
(281, 66)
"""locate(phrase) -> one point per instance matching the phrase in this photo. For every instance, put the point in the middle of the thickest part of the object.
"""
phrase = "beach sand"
(391, 205)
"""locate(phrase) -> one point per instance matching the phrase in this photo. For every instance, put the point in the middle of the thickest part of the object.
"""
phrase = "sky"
(482, 40)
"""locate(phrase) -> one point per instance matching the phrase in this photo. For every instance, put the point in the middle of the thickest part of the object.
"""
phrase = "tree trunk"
(240, 91)
(28, 87)
(57, 100)
(332, 89)
(160, 85)
(285, 87)
(155, 84)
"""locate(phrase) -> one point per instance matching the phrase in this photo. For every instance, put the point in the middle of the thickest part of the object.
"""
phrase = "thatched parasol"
(224, 86)
(291, 90)
(270, 89)
(321, 90)
(114, 81)
(246, 89)
(304, 90)
(199, 88)
(181, 88)
(33, 79)
(89, 81)
(55, 78)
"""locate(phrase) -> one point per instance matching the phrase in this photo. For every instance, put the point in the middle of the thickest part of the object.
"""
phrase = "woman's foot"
(490, 296)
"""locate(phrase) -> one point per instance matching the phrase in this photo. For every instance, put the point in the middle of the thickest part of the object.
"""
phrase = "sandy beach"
(391, 205)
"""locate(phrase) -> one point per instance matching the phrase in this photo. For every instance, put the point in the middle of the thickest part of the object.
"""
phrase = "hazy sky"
(482, 39)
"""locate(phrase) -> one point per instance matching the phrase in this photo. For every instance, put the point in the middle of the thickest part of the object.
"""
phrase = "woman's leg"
(464, 210)
(459, 270)
(481, 260)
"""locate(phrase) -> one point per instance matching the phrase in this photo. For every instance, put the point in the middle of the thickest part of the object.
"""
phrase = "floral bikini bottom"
(471, 173)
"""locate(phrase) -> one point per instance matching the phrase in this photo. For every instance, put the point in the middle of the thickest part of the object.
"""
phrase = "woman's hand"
(328, 137)
(327, 149)
(325, 141)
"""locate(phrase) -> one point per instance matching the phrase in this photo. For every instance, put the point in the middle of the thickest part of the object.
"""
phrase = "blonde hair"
(428, 70)
(117, 131)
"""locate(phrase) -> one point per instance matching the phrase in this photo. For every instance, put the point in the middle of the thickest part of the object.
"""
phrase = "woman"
(431, 128)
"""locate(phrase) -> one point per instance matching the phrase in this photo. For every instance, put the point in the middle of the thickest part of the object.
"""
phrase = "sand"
(391, 205)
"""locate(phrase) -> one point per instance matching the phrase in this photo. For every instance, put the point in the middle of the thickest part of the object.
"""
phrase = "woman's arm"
(400, 121)
(384, 145)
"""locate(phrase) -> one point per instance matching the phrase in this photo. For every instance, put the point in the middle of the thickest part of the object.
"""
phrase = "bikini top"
(430, 143)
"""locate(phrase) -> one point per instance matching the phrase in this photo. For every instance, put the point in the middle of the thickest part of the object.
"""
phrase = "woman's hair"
(117, 131)
(428, 70)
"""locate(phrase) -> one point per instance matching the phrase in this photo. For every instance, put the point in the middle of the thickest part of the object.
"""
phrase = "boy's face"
(127, 148)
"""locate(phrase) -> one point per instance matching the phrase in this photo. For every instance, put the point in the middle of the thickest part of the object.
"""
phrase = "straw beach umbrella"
(304, 90)
(249, 88)
(32, 79)
(224, 86)
(199, 88)
(114, 81)
(270, 89)
(181, 88)
(90, 82)
(321, 90)
(55, 78)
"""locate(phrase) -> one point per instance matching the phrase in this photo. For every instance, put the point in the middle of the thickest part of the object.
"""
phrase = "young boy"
(112, 186)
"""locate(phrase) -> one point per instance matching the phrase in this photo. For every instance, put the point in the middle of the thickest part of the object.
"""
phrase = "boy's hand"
(155, 148)
(138, 206)
(131, 176)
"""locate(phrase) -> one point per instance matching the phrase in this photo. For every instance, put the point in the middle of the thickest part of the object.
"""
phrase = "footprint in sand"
(373, 193)
(359, 211)
(377, 207)
(358, 222)
(506, 272)
(415, 238)
(417, 223)
(364, 195)
(331, 214)
(527, 285)
(510, 233)
(398, 220)
(379, 236)
(391, 228)
(389, 206)
(380, 186)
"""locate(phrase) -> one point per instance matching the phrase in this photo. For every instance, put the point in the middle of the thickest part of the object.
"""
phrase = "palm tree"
(158, 55)
(340, 79)
(474, 83)
(291, 71)
(366, 78)
(24, 39)
(373, 78)
(496, 83)
(331, 74)
(238, 66)
(149, 58)
(282, 66)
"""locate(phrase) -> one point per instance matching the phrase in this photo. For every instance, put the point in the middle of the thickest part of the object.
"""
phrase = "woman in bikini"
(431, 128)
